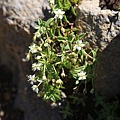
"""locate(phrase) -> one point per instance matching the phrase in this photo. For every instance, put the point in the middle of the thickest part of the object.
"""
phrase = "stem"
(55, 71)
(87, 54)
(44, 69)
(85, 87)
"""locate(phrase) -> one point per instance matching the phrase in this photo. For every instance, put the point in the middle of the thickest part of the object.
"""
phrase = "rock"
(17, 21)
(103, 32)
(23, 13)
(109, 4)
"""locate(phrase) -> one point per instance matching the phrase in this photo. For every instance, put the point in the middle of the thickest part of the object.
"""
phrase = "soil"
(8, 92)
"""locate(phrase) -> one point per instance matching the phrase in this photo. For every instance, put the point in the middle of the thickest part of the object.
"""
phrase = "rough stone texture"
(103, 31)
(17, 18)
(109, 4)
(23, 13)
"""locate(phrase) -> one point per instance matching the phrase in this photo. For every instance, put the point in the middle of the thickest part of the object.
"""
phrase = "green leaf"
(48, 22)
(70, 36)
(73, 10)
(77, 38)
(67, 47)
(65, 19)
(79, 69)
(94, 52)
(74, 1)
(118, 7)
(52, 98)
(115, 105)
(109, 118)
(39, 21)
(90, 117)
(51, 33)
(42, 30)
(59, 4)
(57, 97)
(80, 52)
(82, 35)
(66, 4)
(75, 29)
(61, 39)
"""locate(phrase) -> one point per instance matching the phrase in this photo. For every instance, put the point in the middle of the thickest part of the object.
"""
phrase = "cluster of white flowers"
(82, 75)
(36, 66)
(59, 13)
(33, 79)
(79, 45)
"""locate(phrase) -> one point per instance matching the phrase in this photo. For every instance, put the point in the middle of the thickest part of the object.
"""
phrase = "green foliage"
(60, 57)
(63, 61)
(58, 53)
(119, 8)
(105, 108)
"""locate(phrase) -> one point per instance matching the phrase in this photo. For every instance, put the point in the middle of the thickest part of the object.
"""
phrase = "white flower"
(33, 48)
(36, 66)
(82, 75)
(79, 45)
(38, 57)
(51, 2)
(35, 88)
(31, 78)
(59, 14)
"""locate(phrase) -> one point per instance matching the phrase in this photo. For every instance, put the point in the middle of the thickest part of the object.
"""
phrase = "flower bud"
(44, 77)
(63, 73)
(63, 30)
(59, 81)
(92, 91)
(49, 40)
(28, 56)
(74, 60)
(37, 34)
(84, 91)
(46, 44)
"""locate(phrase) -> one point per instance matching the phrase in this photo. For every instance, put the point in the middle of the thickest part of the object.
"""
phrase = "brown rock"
(109, 4)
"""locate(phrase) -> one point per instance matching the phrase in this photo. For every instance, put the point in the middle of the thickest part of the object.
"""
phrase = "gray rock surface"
(103, 31)
(23, 13)
(17, 19)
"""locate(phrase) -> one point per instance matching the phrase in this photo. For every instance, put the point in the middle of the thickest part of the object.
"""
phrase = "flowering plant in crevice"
(58, 54)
